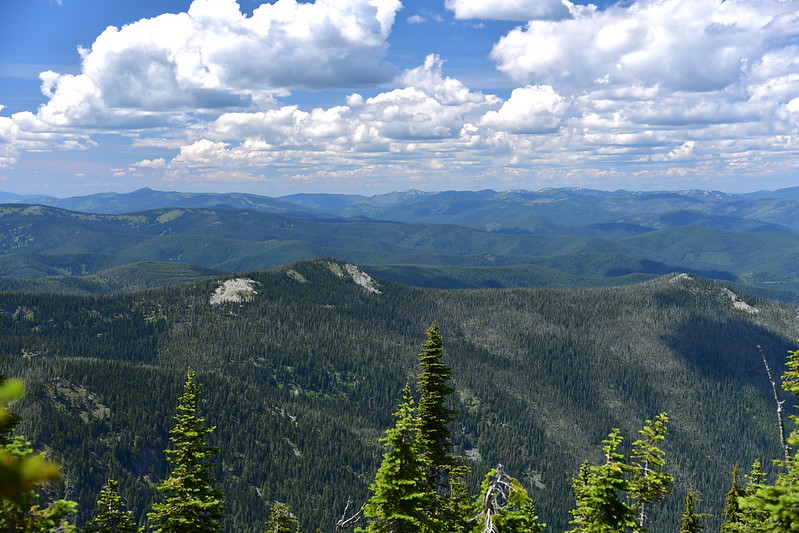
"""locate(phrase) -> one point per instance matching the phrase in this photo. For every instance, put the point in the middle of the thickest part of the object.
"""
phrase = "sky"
(373, 96)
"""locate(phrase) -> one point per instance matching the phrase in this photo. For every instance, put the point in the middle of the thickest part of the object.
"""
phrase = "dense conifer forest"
(303, 371)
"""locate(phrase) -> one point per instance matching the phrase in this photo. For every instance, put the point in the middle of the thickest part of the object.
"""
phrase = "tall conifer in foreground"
(192, 504)
(599, 490)
(401, 495)
(650, 483)
(446, 472)
(733, 515)
(111, 515)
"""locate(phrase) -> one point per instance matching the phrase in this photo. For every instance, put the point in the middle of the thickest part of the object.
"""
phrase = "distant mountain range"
(488, 210)
(453, 239)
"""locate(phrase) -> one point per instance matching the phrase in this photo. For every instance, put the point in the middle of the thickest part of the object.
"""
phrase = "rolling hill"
(301, 376)
(38, 241)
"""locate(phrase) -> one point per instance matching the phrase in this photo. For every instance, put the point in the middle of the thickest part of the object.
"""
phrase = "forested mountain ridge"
(302, 373)
(39, 242)
(487, 209)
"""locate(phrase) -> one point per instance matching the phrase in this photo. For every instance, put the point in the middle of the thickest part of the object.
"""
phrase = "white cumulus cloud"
(215, 57)
(691, 45)
(531, 109)
(151, 163)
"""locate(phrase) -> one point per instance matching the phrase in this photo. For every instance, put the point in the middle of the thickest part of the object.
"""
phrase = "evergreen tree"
(691, 520)
(446, 472)
(752, 519)
(737, 517)
(401, 496)
(111, 515)
(434, 417)
(755, 478)
(733, 514)
(281, 520)
(504, 506)
(192, 504)
(650, 484)
(581, 512)
(598, 489)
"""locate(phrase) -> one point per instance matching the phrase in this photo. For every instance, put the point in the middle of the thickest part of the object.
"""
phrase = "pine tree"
(446, 472)
(281, 520)
(737, 517)
(599, 489)
(755, 478)
(192, 505)
(733, 514)
(752, 519)
(401, 495)
(434, 417)
(581, 512)
(650, 484)
(691, 520)
(111, 515)
(504, 506)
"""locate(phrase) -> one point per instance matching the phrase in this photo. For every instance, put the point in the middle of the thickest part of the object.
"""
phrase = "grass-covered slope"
(301, 378)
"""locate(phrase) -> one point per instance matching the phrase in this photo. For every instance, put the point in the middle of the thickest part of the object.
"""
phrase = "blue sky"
(371, 96)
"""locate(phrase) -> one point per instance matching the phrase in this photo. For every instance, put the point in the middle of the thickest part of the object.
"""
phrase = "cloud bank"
(665, 90)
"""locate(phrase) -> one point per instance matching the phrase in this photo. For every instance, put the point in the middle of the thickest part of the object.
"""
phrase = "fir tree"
(733, 514)
(691, 520)
(505, 507)
(738, 518)
(755, 478)
(598, 489)
(401, 495)
(192, 504)
(281, 520)
(650, 484)
(111, 515)
(445, 471)
(434, 417)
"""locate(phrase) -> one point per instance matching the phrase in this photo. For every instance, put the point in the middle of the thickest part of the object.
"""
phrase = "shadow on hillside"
(727, 349)
(647, 266)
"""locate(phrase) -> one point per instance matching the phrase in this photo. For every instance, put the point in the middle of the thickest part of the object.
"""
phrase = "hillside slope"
(39, 241)
(301, 377)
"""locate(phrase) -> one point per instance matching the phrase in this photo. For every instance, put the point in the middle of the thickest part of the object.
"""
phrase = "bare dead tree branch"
(346, 522)
(780, 417)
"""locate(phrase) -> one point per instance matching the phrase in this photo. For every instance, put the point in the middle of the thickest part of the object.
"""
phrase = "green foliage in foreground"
(22, 473)
(404, 499)
(401, 495)
(778, 503)
(281, 520)
(192, 505)
(504, 506)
